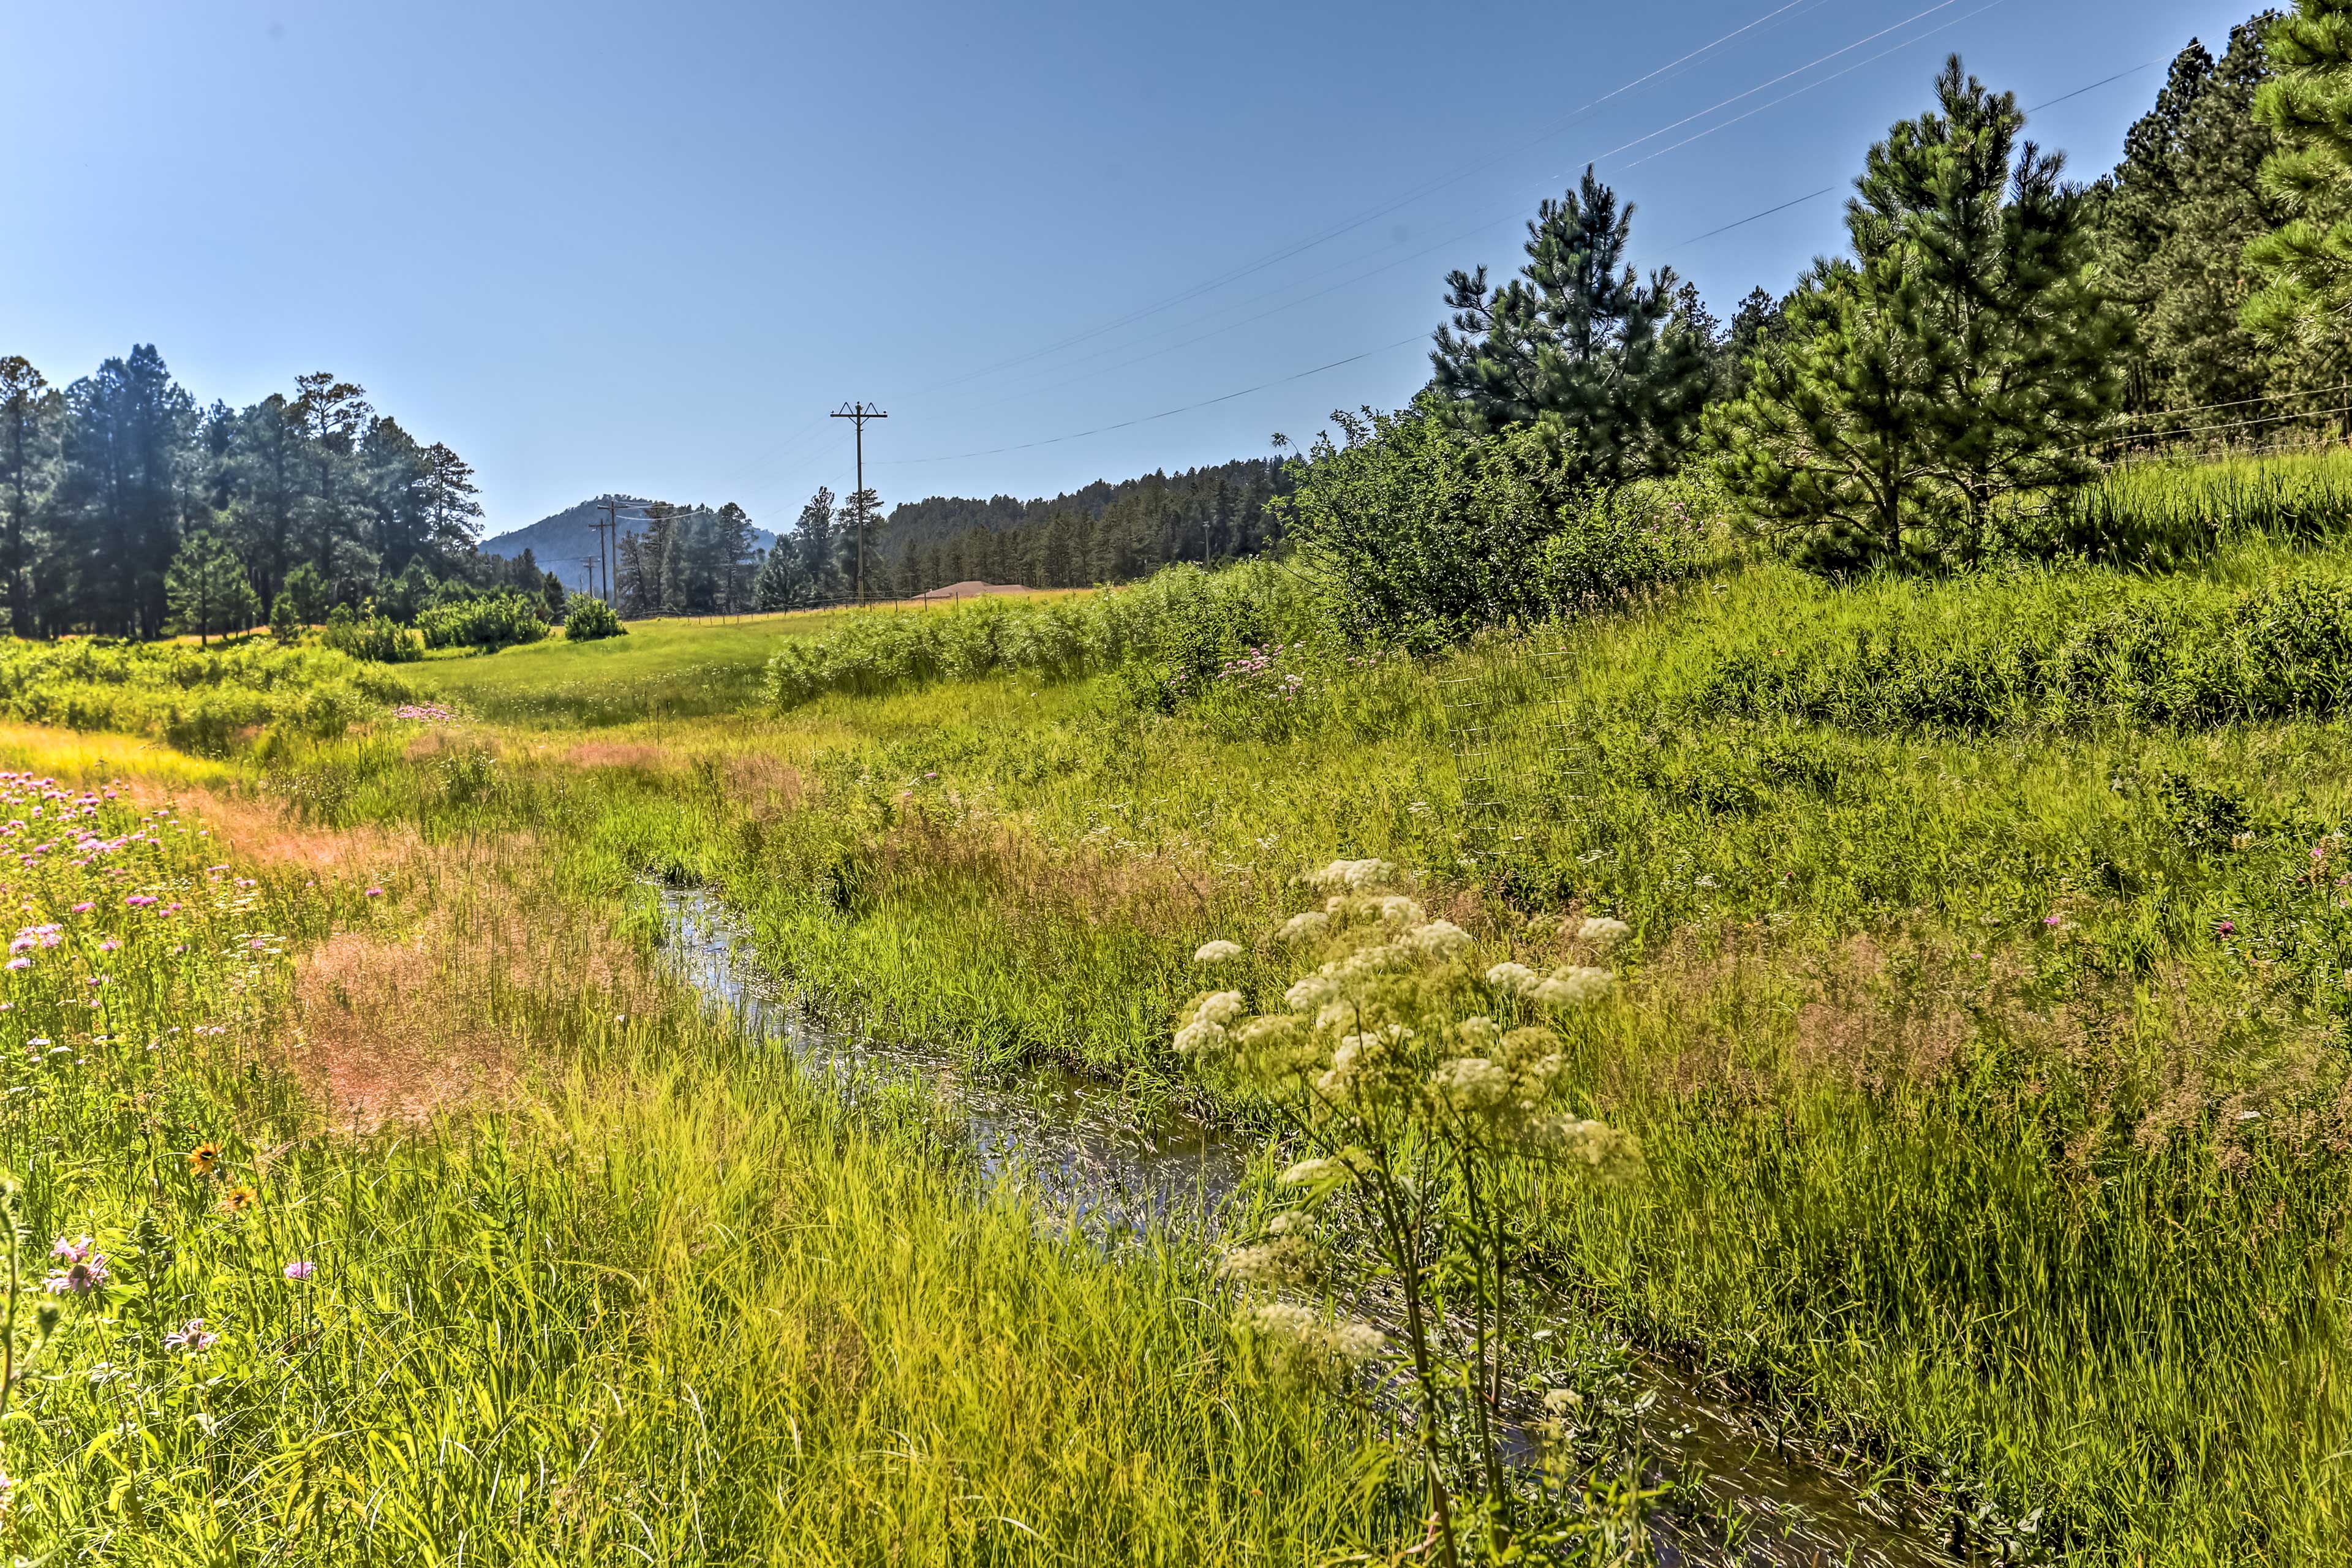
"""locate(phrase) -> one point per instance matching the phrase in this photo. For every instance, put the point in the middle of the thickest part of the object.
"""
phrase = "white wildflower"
(1561, 1401)
(1220, 1007)
(1471, 1083)
(1601, 933)
(1479, 1033)
(1217, 952)
(1439, 939)
(1356, 1341)
(1398, 910)
(1314, 922)
(1508, 976)
(1309, 994)
(1312, 1172)
(1350, 874)
(1570, 986)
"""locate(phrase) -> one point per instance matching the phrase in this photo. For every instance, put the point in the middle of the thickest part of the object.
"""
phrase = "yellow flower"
(204, 1160)
(237, 1200)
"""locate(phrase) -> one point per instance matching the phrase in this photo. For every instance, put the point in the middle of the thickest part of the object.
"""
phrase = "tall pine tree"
(1578, 345)
(1964, 352)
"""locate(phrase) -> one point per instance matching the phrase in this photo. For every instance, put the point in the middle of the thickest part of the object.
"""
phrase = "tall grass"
(656, 1301)
(1983, 1048)
(2160, 514)
(198, 699)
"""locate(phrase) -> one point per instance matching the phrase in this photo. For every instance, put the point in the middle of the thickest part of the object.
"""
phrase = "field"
(1982, 1025)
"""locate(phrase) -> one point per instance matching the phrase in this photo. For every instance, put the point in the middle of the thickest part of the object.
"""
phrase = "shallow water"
(1114, 1174)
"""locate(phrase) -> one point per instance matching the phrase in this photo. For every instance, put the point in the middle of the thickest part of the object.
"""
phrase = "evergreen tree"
(127, 455)
(813, 536)
(285, 626)
(2173, 221)
(861, 515)
(2305, 266)
(453, 518)
(207, 589)
(780, 585)
(732, 558)
(330, 417)
(29, 416)
(306, 589)
(1577, 345)
(553, 597)
(1962, 354)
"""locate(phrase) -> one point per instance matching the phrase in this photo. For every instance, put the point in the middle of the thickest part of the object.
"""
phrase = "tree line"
(127, 509)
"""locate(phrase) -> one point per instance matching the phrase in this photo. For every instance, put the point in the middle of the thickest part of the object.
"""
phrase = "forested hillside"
(563, 542)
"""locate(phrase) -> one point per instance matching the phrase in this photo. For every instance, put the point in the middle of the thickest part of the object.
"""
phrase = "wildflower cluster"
(1414, 1077)
(425, 713)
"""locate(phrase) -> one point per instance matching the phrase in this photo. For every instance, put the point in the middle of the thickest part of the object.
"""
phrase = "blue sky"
(602, 247)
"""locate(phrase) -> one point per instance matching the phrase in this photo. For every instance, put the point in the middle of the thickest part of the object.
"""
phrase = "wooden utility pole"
(605, 540)
(861, 412)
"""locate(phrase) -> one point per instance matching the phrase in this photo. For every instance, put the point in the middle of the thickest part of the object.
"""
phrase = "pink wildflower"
(301, 1268)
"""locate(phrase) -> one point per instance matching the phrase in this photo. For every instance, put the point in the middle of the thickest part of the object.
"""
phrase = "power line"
(1168, 413)
(2103, 81)
(1572, 117)
(1518, 207)
(1751, 217)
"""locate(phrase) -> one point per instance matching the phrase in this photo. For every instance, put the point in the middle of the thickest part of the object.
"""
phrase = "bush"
(1426, 535)
(497, 621)
(374, 639)
(1179, 620)
(590, 620)
(210, 702)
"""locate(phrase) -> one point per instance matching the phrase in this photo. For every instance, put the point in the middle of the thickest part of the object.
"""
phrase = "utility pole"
(860, 412)
(605, 541)
(590, 562)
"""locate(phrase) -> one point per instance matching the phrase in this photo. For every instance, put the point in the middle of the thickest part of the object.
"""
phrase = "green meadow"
(1981, 1025)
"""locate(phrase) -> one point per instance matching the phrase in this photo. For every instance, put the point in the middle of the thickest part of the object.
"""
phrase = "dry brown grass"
(456, 1002)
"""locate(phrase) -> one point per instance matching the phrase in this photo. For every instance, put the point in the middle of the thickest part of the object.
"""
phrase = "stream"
(1060, 1133)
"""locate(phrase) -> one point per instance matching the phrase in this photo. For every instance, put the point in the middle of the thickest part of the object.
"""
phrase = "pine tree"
(330, 417)
(127, 457)
(206, 588)
(2305, 266)
(733, 557)
(1576, 344)
(553, 597)
(813, 536)
(285, 626)
(861, 512)
(1963, 354)
(780, 585)
(29, 413)
(2172, 224)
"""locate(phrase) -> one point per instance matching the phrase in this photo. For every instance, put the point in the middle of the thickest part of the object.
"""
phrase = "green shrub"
(1426, 535)
(591, 619)
(206, 700)
(1179, 620)
(374, 638)
(495, 622)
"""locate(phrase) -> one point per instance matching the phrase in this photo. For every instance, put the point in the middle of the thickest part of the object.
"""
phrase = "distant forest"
(117, 484)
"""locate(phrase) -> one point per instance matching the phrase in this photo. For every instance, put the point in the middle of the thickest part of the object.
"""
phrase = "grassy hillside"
(1986, 1031)
(1983, 1027)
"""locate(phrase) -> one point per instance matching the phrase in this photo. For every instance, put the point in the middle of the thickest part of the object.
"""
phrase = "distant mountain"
(562, 542)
